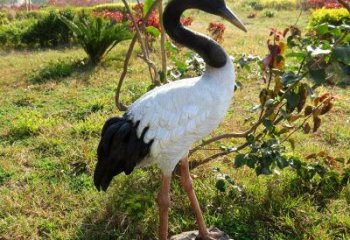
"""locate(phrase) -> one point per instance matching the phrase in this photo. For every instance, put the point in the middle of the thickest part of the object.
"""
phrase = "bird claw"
(212, 234)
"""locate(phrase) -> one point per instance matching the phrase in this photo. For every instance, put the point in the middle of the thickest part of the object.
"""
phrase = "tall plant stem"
(162, 45)
(145, 57)
(119, 105)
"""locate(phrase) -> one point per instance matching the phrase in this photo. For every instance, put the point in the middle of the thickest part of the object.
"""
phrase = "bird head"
(219, 8)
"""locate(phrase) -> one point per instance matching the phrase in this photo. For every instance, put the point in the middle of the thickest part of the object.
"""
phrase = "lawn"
(49, 131)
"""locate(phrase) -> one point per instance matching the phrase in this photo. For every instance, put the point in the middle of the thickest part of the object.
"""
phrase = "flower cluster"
(117, 16)
(276, 48)
(252, 15)
(152, 21)
(323, 3)
(217, 31)
(187, 21)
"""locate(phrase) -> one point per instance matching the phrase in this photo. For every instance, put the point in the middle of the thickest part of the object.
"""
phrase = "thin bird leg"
(164, 203)
(186, 181)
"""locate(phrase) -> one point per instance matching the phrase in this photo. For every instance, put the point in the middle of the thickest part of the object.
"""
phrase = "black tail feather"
(119, 150)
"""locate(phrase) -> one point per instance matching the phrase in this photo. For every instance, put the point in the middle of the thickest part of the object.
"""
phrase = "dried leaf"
(314, 155)
(293, 118)
(306, 128)
(322, 154)
(303, 93)
(308, 111)
(317, 123)
(327, 108)
(317, 112)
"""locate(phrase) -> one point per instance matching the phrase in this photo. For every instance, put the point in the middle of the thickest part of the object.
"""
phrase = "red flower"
(187, 21)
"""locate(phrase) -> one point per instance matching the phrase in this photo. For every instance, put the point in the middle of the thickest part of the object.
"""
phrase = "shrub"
(11, 34)
(49, 31)
(3, 18)
(38, 14)
(323, 3)
(331, 16)
(269, 13)
(30, 124)
(114, 7)
(97, 35)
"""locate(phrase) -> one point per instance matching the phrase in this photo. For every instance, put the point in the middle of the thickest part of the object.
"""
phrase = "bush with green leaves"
(35, 14)
(3, 18)
(329, 16)
(11, 34)
(269, 13)
(49, 31)
(109, 7)
(97, 35)
(289, 103)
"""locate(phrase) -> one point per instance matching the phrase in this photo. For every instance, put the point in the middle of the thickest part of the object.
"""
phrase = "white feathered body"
(181, 113)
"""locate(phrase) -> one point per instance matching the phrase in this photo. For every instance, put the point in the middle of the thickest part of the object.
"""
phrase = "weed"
(269, 13)
(4, 176)
(29, 124)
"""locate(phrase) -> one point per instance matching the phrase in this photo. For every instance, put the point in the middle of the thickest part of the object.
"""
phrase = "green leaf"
(282, 162)
(171, 47)
(293, 99)
(322, 29)
(298, 55)
(268, 125)
(240, 160)
(318, 75)
(342, 54)
(289, 78)
(147, 6)
(182, 66)
(221, 185)
(152, 30)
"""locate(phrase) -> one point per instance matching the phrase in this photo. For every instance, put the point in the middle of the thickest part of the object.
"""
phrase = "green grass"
(49, 132)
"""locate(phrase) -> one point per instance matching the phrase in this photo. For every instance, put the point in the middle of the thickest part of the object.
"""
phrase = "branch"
(162, 44)
(345, 4)
(119, 105)
(145, 56)
(225, 136)
(197, 163)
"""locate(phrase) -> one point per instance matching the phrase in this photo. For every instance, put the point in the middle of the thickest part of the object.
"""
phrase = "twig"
(162, 44)
(143, 47)
(196, 163)
(305, 120)
(119, 105)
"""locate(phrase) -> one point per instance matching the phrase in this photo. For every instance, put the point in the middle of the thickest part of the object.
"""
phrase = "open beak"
(228, 15)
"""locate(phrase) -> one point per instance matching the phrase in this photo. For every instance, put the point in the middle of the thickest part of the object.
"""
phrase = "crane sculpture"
(161, 126)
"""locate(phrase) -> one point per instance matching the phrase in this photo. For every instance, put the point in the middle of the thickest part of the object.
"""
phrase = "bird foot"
(210, 236)
(213, 234)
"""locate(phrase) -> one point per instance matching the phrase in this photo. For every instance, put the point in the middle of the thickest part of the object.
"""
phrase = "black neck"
(207, 48)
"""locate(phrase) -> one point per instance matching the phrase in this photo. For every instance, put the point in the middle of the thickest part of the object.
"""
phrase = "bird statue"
(161, 126)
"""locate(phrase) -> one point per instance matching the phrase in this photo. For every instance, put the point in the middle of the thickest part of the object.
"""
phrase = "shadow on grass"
(129, 211)
(126, 211)
(59, 70)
